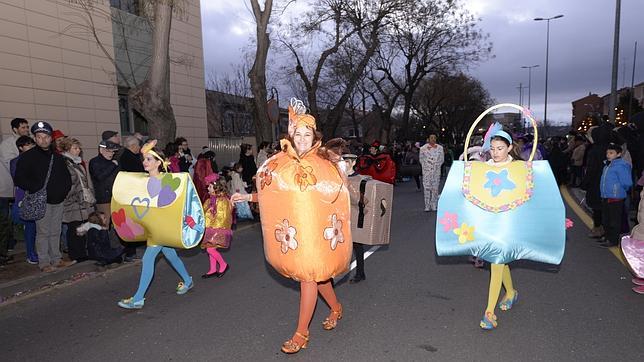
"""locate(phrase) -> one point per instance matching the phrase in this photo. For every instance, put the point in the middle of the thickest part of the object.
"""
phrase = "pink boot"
(639, 289)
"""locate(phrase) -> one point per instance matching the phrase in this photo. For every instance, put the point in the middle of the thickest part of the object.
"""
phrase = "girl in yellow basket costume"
(304, 206)
(154, 163)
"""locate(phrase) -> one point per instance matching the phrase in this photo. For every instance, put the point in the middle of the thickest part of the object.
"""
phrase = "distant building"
(586, 111)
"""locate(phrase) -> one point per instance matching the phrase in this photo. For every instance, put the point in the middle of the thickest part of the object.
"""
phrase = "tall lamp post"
(545, 107)
(529, 68)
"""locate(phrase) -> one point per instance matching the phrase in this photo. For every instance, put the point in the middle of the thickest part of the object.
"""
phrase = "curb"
(584, 215)
(23, 288)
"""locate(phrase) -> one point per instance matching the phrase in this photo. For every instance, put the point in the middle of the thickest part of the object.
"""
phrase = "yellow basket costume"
(164, 210)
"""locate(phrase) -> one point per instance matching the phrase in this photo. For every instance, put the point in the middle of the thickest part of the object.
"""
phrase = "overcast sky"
(581, 46)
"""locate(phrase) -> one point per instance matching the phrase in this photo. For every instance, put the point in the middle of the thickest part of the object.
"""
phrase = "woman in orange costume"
(304, 203)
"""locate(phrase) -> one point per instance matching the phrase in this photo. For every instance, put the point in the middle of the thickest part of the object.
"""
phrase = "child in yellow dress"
(218, 212)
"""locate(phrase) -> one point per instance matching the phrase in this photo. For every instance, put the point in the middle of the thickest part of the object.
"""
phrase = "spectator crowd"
(606, 162)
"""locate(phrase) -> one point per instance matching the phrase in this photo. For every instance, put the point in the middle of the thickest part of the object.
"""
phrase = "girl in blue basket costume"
(501, 210)
(154, 163)
(501, 148)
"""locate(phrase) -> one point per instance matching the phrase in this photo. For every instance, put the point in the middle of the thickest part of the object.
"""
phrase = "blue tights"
(147, 271)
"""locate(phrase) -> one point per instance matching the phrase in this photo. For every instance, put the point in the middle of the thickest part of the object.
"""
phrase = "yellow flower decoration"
(465, 233)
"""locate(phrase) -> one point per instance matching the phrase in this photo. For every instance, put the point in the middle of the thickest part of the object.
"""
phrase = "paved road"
(413, 306)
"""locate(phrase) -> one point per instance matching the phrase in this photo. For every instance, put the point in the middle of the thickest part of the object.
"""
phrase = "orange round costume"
(304, 203)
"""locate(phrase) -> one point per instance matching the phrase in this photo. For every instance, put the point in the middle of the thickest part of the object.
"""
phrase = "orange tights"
(308, 298)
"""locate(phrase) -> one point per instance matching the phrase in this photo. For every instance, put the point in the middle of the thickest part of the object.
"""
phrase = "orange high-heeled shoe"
(290, 346)
(330, 322)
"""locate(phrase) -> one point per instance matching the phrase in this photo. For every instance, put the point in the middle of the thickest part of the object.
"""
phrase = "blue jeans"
(30, 233)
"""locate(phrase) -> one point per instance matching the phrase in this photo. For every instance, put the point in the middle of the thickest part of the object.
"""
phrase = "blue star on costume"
(498, 182)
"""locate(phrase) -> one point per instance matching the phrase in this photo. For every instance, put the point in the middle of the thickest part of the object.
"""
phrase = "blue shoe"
(183, 289)
(489, 321)
(506, 304)
(131, 304)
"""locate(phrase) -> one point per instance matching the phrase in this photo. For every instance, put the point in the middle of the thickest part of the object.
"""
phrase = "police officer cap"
(41, 126)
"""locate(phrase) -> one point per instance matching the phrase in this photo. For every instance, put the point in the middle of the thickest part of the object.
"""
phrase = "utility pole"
(529, 68)
(630, 99)
(521, 88)
(613, 83)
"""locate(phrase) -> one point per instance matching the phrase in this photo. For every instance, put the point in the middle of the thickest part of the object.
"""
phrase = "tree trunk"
(335, 116)
(406, 111)
(152, 97)
(257, 74)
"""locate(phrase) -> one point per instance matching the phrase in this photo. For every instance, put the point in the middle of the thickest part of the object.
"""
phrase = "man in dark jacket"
(31, 173)
(600, 138)
(130, 159)
(103, 169)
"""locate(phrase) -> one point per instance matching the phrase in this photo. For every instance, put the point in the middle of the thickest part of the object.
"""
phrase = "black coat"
(99, 246)
(595, 157)
(130, 161)
(250, 168)
(103, 172)
(31, 171)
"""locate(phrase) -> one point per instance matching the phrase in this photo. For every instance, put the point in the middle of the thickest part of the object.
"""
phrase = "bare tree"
(429, 37)
(257, 74)
(448, 104)
(151, 97)
(332, 24)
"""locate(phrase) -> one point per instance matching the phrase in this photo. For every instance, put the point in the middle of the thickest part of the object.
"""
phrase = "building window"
(131, 120)
(124, 112)
(130, 6)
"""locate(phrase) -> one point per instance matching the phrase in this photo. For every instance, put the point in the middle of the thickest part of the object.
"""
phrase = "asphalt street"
(413, 306)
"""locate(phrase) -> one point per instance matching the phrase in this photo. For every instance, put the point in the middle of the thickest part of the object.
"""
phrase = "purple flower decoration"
(498, 182)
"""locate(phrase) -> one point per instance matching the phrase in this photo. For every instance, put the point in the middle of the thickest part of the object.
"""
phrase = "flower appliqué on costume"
(449, 221)
(334, 233)
(465, 233)
(285, 234)
(498, 182)
(266, 177)
(569, 223)
(304, 177)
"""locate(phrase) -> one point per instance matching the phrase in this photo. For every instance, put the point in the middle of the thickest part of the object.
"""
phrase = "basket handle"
(524, 111)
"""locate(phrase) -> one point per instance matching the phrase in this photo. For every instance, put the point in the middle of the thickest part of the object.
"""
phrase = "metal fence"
(226, 149)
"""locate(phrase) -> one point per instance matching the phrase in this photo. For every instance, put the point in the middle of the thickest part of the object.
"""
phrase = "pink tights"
(215, 257)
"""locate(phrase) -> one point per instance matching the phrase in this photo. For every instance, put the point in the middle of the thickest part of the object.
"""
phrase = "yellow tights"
(499, 274)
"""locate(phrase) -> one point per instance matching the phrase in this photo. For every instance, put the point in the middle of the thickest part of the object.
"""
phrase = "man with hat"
(31, 173)
(103, 169)
(111, 136)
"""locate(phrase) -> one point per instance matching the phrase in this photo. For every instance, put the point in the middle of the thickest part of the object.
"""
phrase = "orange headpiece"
(297, 114)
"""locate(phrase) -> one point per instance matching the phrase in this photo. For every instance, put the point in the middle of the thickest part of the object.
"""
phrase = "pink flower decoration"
(569, 223)
(449, 221)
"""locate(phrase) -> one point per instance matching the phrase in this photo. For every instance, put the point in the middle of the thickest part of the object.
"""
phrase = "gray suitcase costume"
(371, 215)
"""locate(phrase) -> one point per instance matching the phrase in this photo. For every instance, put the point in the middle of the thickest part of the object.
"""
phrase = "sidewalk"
(19, 279)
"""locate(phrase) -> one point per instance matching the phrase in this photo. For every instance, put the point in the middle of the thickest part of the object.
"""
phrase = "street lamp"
(545, 107)
(529, 68)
